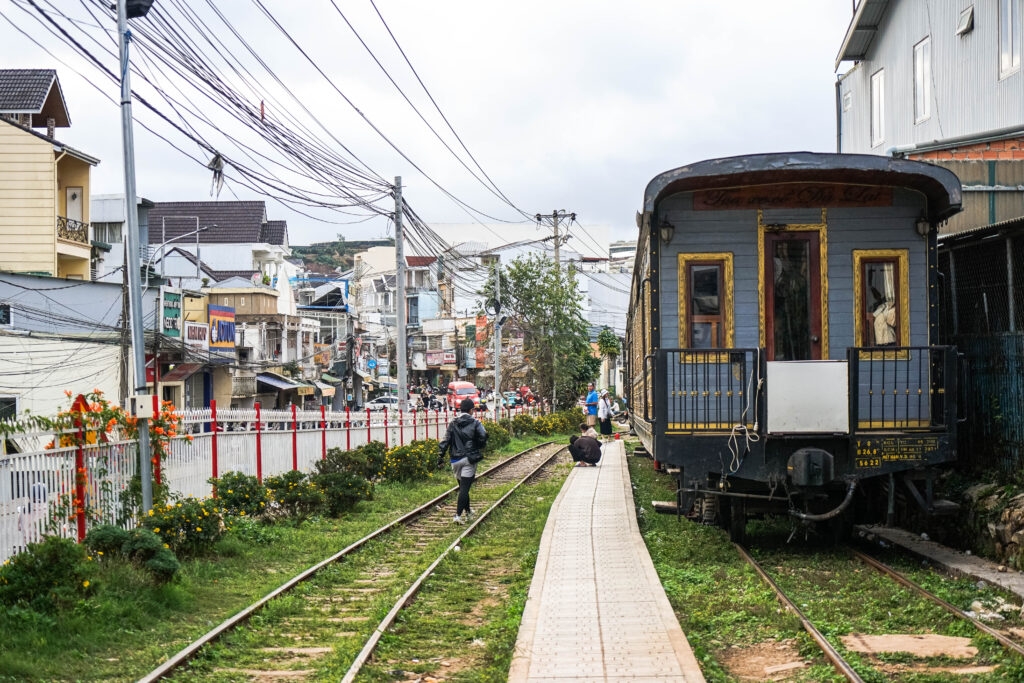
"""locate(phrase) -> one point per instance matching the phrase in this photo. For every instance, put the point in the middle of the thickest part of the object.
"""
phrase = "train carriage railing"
(707, 390)
(903, 388)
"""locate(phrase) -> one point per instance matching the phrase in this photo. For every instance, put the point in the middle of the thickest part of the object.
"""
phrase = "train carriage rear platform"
(781, 344)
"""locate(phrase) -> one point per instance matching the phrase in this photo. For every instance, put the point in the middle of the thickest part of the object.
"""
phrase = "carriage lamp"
(667, 230)
(922, 226)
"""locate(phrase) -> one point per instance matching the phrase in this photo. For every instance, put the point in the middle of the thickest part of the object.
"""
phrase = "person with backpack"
(466, 439)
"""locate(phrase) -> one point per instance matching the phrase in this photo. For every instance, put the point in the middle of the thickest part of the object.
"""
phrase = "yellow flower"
(150, 513)
(156, 530)
(199, 528)
(166, 546)
(85, 584)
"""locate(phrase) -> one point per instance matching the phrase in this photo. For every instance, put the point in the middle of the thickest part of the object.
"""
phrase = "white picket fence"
(35, 486)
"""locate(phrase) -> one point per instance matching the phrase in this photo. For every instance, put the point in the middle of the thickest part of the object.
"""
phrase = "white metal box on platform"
(808, 397)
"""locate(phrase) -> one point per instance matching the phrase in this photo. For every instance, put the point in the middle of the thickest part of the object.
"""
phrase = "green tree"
(609, 347)
(544, 304)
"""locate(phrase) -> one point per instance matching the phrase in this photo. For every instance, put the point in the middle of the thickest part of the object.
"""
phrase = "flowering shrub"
(241, 495)
(342, 490)
(523, 424)
(497, 436)
(188, 527)
(367, 461)
(418, 460)
(297, 495)
(46, 576)
(148, 550)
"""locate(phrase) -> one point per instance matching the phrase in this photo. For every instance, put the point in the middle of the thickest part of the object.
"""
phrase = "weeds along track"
(867, 607)
(332, 614)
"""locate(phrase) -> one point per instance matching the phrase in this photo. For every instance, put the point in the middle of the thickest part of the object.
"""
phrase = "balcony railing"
(72, 230)
(903, 388)
(708, 390)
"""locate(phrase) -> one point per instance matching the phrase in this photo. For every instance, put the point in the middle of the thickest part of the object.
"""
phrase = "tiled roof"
(275, 232)
(24, 90)
(229, 222)
(419, 261)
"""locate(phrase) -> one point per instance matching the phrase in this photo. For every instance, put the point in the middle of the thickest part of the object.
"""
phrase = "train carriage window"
(882, 297)
(705, 301)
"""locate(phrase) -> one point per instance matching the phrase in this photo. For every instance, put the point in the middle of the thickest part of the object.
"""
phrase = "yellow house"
(44, 184)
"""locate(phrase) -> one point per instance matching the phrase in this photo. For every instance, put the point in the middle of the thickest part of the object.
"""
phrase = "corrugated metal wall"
(968, 96)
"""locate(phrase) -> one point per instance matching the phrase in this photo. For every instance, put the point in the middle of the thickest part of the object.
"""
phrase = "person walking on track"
(591, 402)
(465, 439)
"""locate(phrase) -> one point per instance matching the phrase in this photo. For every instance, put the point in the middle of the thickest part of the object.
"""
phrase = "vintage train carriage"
(781, 336)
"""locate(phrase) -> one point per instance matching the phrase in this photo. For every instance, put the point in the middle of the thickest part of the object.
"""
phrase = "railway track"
(844, 667)
(331, 612)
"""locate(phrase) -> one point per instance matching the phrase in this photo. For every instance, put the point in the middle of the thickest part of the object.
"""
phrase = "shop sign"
(481, 328)
(435, 358)
(449, 357)
(197, 335)
(323, 354)
(222, 327)
(419, 360)
(470, 333)
(470, 359)
(481, 357)
(170, 303)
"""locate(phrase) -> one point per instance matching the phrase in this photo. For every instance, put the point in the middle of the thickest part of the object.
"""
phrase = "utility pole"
(497, 338)
(555, 216)
(134, 280)
(400, 295)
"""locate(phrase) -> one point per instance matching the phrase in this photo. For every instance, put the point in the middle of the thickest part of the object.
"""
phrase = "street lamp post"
(142, 407)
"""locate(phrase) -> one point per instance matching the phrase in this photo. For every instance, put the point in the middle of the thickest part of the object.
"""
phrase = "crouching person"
(585, 450)
(465, 440)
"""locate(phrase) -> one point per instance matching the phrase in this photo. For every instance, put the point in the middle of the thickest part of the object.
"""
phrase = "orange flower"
(49, 445)
(171, 432)
(67, 392)
(189, 437)
(158, 430)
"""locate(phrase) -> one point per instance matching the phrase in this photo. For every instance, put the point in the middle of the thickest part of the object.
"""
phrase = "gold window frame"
(822, 230)
(683, 261)
(902, 258)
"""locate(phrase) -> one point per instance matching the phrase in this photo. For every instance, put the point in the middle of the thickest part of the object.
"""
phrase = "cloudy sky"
(565, 105)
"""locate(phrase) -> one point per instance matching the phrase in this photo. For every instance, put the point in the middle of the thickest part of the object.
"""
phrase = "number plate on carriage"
(876, 451)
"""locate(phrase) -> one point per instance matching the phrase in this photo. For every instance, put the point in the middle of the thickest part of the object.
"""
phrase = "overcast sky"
(566, 105)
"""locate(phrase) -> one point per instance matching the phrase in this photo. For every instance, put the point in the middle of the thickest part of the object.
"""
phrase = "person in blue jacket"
(592, 400)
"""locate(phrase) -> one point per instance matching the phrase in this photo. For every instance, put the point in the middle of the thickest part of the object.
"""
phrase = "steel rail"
(841, 665)
(903, 580)
(400, 604)
(192, 649)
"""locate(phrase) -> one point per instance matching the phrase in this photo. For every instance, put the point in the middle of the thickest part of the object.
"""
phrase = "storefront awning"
(364, 375)
(330, 379)
(326, 389)
(181, 372)
(276, 381)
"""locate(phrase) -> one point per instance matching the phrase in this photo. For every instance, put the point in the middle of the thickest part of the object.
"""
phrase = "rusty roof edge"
(939, 185)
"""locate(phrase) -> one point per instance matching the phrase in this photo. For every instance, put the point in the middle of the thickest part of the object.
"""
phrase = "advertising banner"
(470, 333)
(222, 327)
(481, 328)
(170, 313)
(419, 360)
(449, 357)
(470, 359)
(323, 354)
(197, 335)
(435, 358)
(481, 357)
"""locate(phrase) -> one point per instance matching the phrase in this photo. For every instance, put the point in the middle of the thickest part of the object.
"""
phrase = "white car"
(382, 402)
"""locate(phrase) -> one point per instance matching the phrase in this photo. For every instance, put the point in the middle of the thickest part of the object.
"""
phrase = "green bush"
(189, 527)
(418, 460)
(131, 499)
(296, 495)
(367, 461)
(342, 490)
(241, 494)
(523, 424)
(106, 540)
(47, 576)
(252, 531)
(497, 436)
(147, 549)
(545, 425)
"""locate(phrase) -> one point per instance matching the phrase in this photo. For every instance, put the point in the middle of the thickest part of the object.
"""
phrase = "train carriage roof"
(940, 186)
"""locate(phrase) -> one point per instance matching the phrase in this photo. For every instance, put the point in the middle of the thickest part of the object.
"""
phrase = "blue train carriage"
(781, 341)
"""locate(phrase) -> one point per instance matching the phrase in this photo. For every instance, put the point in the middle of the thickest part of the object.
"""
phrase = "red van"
(460, 390)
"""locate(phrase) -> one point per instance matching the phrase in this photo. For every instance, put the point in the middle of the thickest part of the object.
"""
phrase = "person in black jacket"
(466, 439)
(585, 450)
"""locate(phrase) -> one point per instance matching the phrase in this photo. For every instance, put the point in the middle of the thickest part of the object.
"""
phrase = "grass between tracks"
(722, 605)
(131, 625)
(464, 622)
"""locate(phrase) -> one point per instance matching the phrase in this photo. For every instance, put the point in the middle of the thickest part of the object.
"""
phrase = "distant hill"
(337, 254)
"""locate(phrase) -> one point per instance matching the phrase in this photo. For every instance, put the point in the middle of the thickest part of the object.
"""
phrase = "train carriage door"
(792, 272)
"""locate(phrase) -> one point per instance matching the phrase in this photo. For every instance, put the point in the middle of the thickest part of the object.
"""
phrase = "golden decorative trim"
(902, 257)
(684, 260)
(822, 230)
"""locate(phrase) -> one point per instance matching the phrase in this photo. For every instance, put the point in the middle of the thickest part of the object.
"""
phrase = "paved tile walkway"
(596, 610)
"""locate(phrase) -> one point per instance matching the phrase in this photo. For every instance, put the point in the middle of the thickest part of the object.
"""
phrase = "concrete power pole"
(134, 280)
(400, 295)
(555, 216)
(497, 339)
